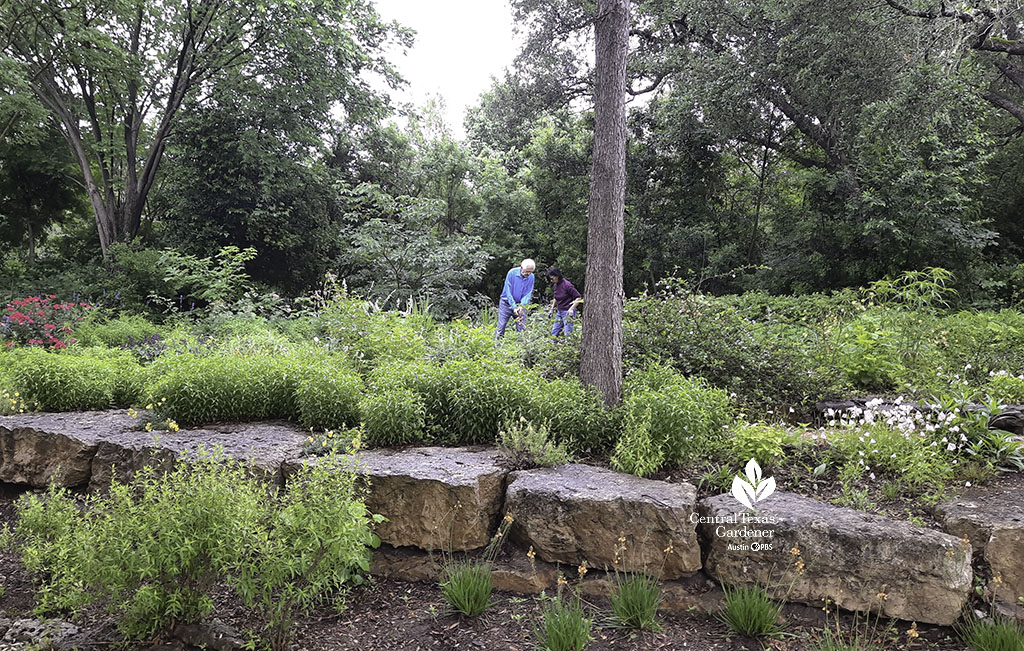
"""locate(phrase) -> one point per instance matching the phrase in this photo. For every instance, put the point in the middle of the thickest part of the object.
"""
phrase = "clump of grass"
(565, 628)
(834, 641)
(750, 611)
(635, 599)
(467, 587)
(992, 634)
(467, 584)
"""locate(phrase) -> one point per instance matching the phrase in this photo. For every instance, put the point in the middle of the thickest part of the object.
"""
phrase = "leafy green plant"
(394, 415)
(1005, 388)
(327, 395)
(635, 599)
(314, 542)
(748, 610)
(760, 441)
(573, 413)
(681, 422)
(522, 445)
(991, 634)
(193, 390)
(62, 382)
(151, 549)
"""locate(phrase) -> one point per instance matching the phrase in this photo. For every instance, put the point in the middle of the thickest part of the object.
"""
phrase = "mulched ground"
(392, 615)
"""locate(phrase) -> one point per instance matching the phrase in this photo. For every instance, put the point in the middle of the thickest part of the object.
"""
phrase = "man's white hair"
(528, 262)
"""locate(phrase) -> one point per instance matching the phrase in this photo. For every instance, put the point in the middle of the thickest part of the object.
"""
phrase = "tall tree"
(116, 75)
(601, 363)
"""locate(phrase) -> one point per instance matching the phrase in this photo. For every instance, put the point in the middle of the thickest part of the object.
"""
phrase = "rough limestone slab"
(88, 447)
(442, 499)
(40, 448)
(575, 513)
(817, 552)
(265, 446)
(993, 522)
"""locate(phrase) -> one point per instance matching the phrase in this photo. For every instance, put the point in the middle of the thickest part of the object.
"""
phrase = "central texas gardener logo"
(752, 490)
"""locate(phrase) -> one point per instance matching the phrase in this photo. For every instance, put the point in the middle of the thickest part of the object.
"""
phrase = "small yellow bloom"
(795, 551)
(669, 549)
(149, 427)
(582, 569)
(531, 554)
(562, 581)
(508, 518)
(149, 406)
(912, 631)
(882, 596)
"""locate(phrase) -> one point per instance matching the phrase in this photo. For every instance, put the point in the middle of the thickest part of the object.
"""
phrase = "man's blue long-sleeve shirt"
(517, 290)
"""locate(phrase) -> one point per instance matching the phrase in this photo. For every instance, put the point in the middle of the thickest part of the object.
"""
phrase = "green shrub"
(153, 549)
(317, 540)
(635, 599)
(749, 611)
(573, 413)
(327, 395)
(63, 382)
(465, 401)
(113, 332)
(459, 340)
(565, 627)
(1005, 389)
(193, 390)
(393, 415)
(524, 446)
(678, 423)
(636, 451)
(467, 587)
(992, 634)
(760, 441)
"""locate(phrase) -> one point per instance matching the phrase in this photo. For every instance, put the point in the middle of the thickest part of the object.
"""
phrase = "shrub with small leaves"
(393, 416)
(1005, 389)
(750, 611)
(523, 446)
(327, 395)
(680, 422)
(151, 549)
(760, 441)
(62, 382)
(573, 413)
(193, 390)
(315, 541)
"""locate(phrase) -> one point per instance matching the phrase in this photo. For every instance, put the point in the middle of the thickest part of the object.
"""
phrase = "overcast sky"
(460, 45)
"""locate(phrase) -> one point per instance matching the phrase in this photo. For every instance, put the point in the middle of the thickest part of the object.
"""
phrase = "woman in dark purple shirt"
(564, 303)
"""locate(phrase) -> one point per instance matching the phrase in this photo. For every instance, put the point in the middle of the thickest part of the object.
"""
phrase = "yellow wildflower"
(531, 554)
(582, 569)
(912, 631)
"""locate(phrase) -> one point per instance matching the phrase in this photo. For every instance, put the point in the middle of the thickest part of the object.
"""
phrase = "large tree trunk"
(601, 365)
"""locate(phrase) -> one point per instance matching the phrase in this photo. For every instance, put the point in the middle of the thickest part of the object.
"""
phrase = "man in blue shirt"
(515, 296)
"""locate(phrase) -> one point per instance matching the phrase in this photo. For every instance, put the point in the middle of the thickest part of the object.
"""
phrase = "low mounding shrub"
(114, 333)
(327, 395)
(760, 441)
(1006, 389)
(150, 550)
(193, 390)
(573, 414)
(464, 401)
(680, 422)
(524, 446)
(393, 415)
(62, 382)
(317, 540)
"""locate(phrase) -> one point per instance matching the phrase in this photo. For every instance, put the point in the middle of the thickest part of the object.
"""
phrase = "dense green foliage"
(154, 549)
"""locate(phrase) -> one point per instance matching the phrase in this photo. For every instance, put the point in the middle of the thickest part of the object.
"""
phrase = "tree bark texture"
(601, 364)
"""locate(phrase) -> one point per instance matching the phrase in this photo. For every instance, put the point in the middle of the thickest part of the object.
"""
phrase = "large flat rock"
(43, 448)
(263, 446)
(575, 513)
(92, 447)
(443, 499)
(805, 551)
(993, 521)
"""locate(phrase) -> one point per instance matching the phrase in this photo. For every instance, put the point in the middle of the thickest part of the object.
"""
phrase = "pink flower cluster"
(40, 321)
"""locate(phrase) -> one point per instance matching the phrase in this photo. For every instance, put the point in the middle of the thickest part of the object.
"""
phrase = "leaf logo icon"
(752, 490)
